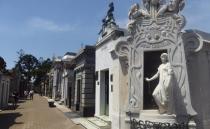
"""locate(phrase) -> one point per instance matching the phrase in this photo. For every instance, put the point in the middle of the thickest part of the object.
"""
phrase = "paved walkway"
(35, 114)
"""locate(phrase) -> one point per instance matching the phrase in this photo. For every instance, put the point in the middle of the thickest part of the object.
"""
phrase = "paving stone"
(35, 114)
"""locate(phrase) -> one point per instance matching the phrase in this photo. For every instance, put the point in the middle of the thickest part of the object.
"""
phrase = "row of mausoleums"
(90, 81)
(72, 80)
(94, 82)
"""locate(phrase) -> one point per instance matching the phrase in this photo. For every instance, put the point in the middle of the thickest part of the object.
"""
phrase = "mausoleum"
(67, 82)
(84, 82)
(157, 73)
(4, 90)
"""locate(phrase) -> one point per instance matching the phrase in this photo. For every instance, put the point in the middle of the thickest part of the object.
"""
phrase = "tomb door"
(106, 80)
(69, 96)
(151, 63)
(78, 94)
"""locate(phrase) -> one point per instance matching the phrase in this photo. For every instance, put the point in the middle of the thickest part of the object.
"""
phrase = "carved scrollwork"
(156, 11)
(181, 21)
(193, 42)
(135, 76)
(157, 31)
(122, 49)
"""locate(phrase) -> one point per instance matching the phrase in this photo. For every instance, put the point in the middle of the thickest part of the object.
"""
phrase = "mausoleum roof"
(196, 40)
(68, 56)
(202, 35)
(57, 60)
(82, 50)
(114, 33)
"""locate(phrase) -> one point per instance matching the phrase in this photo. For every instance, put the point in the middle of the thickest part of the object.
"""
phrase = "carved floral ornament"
(158, 20)
(155, 25)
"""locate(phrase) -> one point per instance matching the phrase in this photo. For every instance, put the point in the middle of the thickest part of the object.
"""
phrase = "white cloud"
(45, 24)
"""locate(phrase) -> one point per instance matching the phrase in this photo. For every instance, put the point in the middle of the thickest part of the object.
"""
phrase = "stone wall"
(4, 91)
(198, 64)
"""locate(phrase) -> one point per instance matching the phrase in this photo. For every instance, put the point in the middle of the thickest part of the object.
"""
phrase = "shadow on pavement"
(54, 106)
(11, 107)
(8, 119)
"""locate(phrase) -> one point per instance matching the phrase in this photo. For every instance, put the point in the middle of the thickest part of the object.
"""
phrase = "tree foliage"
(27, 65)
(42, 70)
(31, 69)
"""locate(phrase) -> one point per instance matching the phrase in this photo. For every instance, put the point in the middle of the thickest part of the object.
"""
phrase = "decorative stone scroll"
(156, 26)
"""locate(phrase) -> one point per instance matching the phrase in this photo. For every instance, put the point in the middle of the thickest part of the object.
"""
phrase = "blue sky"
(47, 27)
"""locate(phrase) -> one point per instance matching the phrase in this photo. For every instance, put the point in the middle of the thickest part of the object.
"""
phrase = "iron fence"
(135, 124)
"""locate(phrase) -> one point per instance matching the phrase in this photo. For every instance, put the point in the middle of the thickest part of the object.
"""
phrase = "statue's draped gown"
(162, 92)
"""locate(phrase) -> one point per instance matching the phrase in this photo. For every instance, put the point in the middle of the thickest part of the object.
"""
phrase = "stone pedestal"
(155, 116)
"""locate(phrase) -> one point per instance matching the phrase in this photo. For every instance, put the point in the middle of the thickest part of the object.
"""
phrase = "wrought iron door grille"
(134, 124)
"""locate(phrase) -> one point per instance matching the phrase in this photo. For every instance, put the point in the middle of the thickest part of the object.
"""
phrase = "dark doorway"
(78, 95)
(151, 64)
(69, 97)
(106, 93)
(1, 95)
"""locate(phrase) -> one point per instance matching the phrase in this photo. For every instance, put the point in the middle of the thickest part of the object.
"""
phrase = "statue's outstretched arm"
(154, 77)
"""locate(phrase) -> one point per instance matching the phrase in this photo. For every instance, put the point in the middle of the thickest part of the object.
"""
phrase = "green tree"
(32, 70)
(41, 74)
(42, 70)
(27, 65)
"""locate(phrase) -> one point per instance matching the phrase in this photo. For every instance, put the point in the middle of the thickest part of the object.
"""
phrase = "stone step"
(98, 123)
(104, 118)
(87, 124)
(149, 111)
(155, 116)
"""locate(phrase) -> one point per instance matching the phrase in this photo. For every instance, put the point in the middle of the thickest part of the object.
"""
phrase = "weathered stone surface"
(158, 30)
(197, 50)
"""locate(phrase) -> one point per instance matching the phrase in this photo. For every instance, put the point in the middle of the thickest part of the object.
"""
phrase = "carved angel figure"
(148, 3)
(155, 2)
(136, 12)
(172, 6)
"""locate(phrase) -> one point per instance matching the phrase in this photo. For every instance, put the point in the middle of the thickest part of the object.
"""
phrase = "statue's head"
(136, 6)
(164, 57)
(155, 2)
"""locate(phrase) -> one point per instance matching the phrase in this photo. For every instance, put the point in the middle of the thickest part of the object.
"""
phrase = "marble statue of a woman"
(162, 92)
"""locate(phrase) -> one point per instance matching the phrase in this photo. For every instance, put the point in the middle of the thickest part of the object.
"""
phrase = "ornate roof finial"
(109, 20)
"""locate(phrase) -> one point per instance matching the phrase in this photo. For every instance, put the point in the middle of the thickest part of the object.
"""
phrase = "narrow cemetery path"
(35, 114)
